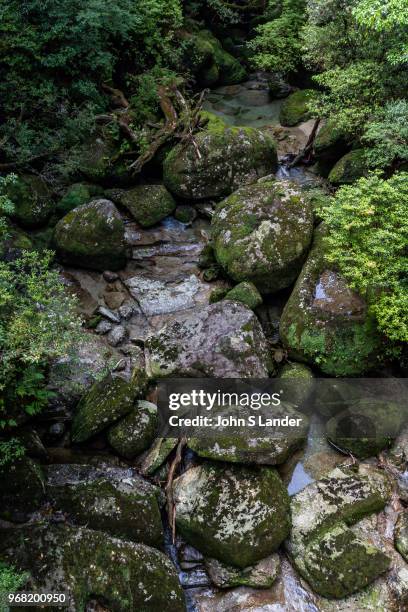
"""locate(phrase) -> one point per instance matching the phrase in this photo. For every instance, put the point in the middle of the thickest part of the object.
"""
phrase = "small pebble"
(103, 327)
(117, 335)
(108, 314)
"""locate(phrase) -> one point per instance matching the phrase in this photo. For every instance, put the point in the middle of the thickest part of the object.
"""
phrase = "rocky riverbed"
(216, 271)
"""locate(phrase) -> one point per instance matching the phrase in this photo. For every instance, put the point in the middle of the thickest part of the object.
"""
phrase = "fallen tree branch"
(171, 506)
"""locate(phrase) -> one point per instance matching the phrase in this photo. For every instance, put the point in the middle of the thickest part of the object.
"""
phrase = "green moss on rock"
(246, 293)
(76, 195)
(326, 324)
(92, 236)
(295, 109)
(261, 234)
(106, 401)
(235, 514)
(113, 500)
(401, 534)
(349, 168)
(230, 157)
(92, 565)
(330, 143)
(136, 431)
(366, 427)
(148, 204)
(32, 200)
(338, 563)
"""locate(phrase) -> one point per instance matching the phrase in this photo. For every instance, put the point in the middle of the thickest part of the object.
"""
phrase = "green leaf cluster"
(367, 241)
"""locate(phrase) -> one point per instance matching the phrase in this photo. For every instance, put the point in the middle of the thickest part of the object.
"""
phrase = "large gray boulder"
(327, 553)
(92, 236)
(235, 514)
(115, 500)
(89, 565)
(262, 232)
(222, 340)
(136, 431)
(228, 158)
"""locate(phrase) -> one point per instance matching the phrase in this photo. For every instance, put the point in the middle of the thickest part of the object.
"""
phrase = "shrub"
(367, 241)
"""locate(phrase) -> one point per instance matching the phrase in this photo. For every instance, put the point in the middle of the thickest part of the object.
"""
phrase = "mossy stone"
(229, 158)
(32, 200)
(210, 62)
(338, 563)
(106, 401)
(330, 143)
(298, 382)
(295, 109)
(148, 204)
(218, 294)
(366, 427)
(92, 236)
(349, 168)
(76, 195)
(113, 500)
(136, 431)
(238, 515)
(246, 293)
(185, 214)
(326, 324)
(14, 242)
(92, 565)
(262, 575)
(261, 234)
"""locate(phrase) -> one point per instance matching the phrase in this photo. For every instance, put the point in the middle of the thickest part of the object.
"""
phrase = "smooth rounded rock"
(261, 234)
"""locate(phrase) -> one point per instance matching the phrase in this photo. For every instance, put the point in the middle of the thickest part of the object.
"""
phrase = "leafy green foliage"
(38, 322)
(367, 241)
(277, 45)
(6, 205)
(10, 451)
(56, 55)
(387, 135)
(10, 581)
(354, 50)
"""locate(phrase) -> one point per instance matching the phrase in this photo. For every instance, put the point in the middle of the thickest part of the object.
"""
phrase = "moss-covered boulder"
(298, 382)
(330, 143)
(349, 168)
(114, 500)
(90, 565)
(262, 575)
(77, 195)
(99, 161)
(229, 158)
(92, 236)
(246, 293)
(148, 204)
(262, 232)
(136, 431)
(185, 214)
(32, 200)
(211, 64)
(366, 427)
(295, 108)
(223, 340)
(338, 563)
(106, 401)
(325, 323)
(22, 489)
(401, 534)
(274, 447)
(234, 514)
(319, 538)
